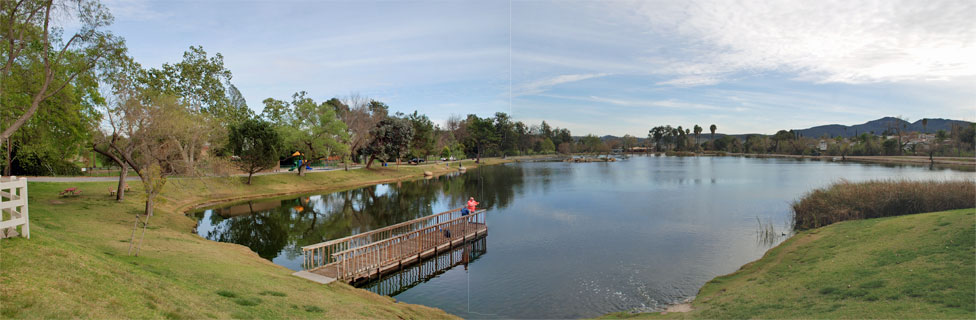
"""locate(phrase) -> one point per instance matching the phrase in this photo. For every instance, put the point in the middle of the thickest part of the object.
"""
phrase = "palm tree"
(698, 131)
(712, 128)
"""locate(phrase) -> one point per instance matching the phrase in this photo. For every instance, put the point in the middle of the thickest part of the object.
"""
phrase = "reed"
(881, 198)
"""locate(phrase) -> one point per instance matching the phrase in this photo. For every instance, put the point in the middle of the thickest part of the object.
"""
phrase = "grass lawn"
(75, 264)
(914, 266)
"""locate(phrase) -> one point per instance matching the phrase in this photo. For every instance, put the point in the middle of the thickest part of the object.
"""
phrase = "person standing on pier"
(472, 205)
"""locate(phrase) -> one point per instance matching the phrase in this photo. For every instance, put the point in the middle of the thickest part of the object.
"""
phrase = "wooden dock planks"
(367, 256)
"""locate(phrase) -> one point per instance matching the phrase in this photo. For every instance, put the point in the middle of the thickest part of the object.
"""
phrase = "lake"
(565, 240)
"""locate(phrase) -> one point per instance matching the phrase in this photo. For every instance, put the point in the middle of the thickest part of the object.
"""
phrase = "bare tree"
(359, 121)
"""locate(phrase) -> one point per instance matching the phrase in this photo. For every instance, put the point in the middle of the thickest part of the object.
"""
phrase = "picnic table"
(70, 192)
(112, 191)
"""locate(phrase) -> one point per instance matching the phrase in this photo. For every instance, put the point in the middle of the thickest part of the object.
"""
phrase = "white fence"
(13, 205)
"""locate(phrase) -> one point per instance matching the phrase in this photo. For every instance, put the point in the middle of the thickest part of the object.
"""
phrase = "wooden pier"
(372, 254)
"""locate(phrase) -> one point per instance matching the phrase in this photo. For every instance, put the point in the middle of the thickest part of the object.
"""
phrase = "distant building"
(822, 145)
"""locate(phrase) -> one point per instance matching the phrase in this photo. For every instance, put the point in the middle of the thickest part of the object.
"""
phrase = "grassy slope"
(916, 266)
(75, 264)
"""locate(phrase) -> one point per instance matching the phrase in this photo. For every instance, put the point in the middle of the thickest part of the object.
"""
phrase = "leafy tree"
(423, 141)
(890, 147)
(481, 135)
(547, 146)
(257, 145)
(33, 51)
(505, 131)
(199, 83)
(780, 138)
(307, 127)
(391, 138)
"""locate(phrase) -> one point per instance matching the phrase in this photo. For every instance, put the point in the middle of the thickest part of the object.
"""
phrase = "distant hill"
(879, 126)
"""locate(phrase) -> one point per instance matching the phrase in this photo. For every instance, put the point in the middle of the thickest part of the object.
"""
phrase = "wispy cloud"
(539, 86)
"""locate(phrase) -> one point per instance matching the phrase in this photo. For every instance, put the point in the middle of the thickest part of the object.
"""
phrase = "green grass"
(914, 266)
(75, 264)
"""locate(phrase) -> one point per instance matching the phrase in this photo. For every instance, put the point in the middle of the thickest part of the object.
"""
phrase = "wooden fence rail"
(321, 254)
(364, 260)
(13, 205)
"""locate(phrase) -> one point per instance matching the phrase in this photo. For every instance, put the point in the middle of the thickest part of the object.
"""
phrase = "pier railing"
(321, 254)
(363, 260)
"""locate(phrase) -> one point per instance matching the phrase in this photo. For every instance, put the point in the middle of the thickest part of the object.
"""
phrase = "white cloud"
(540, 86)
(818, 41)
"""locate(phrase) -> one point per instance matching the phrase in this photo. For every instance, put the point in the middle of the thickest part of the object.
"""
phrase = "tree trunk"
(249, 175)
(6, 169)
(149, 206)
(123, 173)
(301, 169)
(370, 161)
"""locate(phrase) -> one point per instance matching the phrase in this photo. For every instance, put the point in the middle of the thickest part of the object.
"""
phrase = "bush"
(33, 164)
(874, 199)
(680, 154)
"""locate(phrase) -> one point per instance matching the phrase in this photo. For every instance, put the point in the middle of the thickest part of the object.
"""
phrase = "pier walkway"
(375, 253)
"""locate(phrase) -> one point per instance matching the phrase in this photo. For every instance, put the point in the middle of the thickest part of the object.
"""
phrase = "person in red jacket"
(472, 205)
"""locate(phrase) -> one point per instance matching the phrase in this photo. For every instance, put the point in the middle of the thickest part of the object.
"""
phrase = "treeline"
(958, 141)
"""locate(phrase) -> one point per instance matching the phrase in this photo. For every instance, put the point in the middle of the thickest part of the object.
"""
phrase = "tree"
(360, 114)
(199, 83)
(547, 146)
(391, 137)
(423, 141)
(712, 128)
(256, 143)
(50, 137)
(308, 127)
(890, 147)
(31, 47)
(698, 131)
(780, 137)
(481, 135)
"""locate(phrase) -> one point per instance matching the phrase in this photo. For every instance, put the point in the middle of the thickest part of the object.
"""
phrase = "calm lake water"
(565, 240)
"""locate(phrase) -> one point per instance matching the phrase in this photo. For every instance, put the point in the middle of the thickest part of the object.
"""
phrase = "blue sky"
(600, 67)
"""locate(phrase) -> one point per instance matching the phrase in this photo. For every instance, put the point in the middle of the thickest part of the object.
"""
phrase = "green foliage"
(423, 143)
(547, 147)
(482, 137)
(256, 143)
(306, 126)
(199, 82)
(873, 199)
(391, 138)
(890, 147)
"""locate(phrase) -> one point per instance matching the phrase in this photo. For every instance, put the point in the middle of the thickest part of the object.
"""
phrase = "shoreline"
(791, 273)
(178, 273)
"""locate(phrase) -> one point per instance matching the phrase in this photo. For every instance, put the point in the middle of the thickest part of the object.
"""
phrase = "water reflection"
(277, 230)
(398, 282)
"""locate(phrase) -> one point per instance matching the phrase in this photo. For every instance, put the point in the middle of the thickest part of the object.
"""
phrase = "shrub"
(680, 154)
(874, 199)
